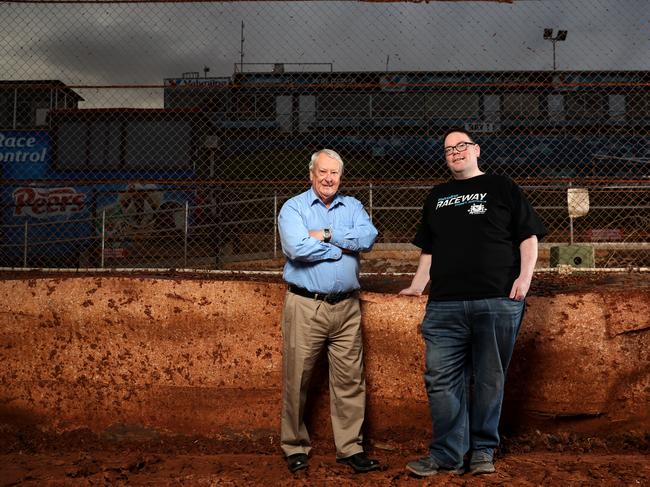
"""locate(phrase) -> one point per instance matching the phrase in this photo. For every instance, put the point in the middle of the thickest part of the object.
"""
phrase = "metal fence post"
(187, 213)
(570, 217)
(275, 225)
(25, 245)
(370, 202)
(103, 237)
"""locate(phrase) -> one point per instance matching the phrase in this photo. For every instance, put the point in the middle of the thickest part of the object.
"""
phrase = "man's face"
(325, 177)
(463, 164)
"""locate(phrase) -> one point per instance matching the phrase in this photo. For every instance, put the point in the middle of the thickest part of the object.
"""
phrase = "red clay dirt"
(74, 414)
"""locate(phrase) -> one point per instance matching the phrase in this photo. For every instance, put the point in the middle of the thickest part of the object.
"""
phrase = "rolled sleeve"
(296, 242)
(360, 237)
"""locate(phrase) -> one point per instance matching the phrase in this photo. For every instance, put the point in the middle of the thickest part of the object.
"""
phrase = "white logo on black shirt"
(475, 199)
(477, 209)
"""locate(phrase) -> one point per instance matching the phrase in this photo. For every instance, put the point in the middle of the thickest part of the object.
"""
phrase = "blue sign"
(24, 155)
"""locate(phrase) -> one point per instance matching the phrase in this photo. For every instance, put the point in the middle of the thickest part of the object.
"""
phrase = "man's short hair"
(331, 153)
(459, 130)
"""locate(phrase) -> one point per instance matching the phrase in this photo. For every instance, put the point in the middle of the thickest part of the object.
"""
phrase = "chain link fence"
(162, 134)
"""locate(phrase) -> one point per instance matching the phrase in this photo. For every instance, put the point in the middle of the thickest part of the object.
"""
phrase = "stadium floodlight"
(548, 36)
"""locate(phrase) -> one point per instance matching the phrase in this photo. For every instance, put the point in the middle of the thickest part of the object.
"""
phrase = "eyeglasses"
(460, 147)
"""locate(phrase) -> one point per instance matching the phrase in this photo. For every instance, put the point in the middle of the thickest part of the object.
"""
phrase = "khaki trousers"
(309, 326)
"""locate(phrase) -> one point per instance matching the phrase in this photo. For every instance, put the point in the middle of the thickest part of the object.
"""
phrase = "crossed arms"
(306, 244)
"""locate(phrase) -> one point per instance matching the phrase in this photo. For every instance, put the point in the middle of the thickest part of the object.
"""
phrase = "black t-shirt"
(473, 228)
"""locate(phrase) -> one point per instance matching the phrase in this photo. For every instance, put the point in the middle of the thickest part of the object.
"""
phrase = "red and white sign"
(605, 235)
(46, 202)
(115, 253)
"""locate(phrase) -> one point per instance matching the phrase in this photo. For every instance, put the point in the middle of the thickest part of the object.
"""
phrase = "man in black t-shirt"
(479, 238)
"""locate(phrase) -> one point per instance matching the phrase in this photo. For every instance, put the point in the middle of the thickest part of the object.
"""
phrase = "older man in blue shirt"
(322, 234)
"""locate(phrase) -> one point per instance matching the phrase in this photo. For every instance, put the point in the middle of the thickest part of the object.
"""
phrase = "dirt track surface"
(108, 468)
(194, 462)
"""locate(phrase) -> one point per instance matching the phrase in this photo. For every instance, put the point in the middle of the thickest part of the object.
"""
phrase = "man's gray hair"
(333, 154)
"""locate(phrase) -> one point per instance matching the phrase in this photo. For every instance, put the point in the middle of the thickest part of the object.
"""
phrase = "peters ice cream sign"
(47, 202)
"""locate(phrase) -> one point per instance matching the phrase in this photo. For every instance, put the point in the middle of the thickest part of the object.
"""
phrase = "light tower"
(561, 36)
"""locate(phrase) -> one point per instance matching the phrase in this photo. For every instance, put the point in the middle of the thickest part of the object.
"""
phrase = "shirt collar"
(313, 198)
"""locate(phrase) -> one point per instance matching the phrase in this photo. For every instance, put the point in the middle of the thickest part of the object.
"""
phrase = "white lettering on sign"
(13, 142)
(45, 202)
(23, 156)
(22, 148)
(481, 127)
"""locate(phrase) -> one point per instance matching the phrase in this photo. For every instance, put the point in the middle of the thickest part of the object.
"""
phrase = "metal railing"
(247, 229)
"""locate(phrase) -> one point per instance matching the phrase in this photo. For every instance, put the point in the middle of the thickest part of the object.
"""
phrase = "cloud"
(141, 44)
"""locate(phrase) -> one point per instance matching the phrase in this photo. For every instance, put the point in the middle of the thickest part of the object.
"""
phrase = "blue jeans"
(468, 348)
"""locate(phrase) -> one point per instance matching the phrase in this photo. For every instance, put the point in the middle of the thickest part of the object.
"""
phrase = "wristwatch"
(327, 235)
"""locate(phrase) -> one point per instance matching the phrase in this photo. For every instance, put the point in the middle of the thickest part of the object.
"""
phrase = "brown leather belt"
(331, 298)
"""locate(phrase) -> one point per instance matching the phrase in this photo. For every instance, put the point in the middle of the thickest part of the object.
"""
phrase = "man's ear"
(478, 150)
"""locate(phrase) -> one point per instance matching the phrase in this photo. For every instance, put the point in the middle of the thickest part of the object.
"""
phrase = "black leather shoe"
(297, 461)
(360, 462)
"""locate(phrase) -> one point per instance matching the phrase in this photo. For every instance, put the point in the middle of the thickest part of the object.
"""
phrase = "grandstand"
(541, 123)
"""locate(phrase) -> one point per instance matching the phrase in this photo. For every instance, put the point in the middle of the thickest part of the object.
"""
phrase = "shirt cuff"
(334, 252)
(335, 241)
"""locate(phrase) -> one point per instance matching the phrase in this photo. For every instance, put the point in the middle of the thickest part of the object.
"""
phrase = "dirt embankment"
(118, 379)
(203, 357)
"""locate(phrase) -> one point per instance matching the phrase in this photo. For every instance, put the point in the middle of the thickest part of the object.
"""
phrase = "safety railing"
(616, 225)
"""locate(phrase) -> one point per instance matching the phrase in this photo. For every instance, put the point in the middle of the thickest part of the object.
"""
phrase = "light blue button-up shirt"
(315, 265)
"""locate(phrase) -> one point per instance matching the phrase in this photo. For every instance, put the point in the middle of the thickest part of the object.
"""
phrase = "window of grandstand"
(62, 101)
(159, 144)
(41, 116)
(28, 101)
(117, 140)
(265, 105)
(617, 107)
(245, 106)
(491, 108)
(638, 104)
(72, 140)
(215, 102)
(452, 105)
(24, 113)
(586, 105)
(342, 105)
(40, 98)
(104, 139)
(555, 107)
(258, 107)
(399, 105)
(520, 106)
(6, 109)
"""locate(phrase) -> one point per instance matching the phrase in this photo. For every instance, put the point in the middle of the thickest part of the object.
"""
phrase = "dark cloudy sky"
(141, 44)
